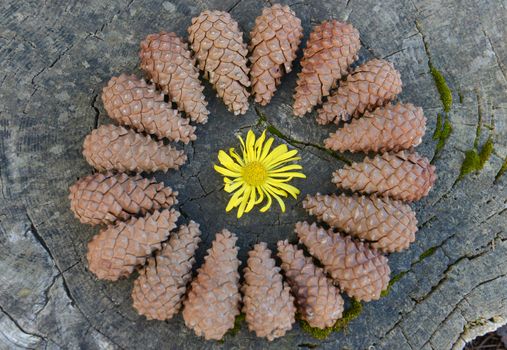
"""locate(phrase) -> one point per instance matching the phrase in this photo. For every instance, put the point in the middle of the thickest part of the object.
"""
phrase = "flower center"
(255, 173)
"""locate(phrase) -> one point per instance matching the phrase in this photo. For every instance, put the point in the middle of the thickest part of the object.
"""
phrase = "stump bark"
(56, 57)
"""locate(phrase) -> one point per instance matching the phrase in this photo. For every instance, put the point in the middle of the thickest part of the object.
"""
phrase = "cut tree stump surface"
(57, 55)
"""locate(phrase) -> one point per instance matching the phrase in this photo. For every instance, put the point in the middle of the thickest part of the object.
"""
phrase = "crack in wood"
(21, 328)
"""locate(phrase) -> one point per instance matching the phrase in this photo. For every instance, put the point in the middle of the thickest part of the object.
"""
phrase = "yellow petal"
(275, 154)
(275, 190)
(289, 175)
(225, 171)
(266, 148)
(285, 157)
(228, 162)
(278, 199)
(250, 142)
(293, 191)
(270, 201)
(244, 201)
(236, 156)
(261, 196)
(235, 199)
(258, 145)
(233, 186)
(286, 168)
(251, 200)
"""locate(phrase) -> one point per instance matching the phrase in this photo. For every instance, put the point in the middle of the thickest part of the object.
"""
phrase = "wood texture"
(57, 55)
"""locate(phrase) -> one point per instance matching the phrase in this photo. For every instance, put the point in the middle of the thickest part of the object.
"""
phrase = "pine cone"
(158, 291)
(371, 85)
(391, 128)
(213, 299)
(360, 271)
(330, 50)
(390, 225)
(318, 301)
(105, 198)
(404, 176)
(275, 40)
(168, 62)
(218, 45)
(130, 101)
(117, 250)
(268, 304)
(113, 147)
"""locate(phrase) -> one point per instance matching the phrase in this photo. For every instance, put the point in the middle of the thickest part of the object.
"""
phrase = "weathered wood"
(57, 55)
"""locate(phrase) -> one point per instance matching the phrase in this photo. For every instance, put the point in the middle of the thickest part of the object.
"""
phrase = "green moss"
(442, 132)
(442, 87)
(475, 160)
(238, 323)
(427, 253)
(392, 281)
(502, 170)
(350, 314)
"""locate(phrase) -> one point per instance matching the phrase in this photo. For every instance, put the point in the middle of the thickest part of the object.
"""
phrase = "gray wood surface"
(57, 55)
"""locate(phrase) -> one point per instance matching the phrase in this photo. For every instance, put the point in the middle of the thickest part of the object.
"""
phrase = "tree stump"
(56, 57)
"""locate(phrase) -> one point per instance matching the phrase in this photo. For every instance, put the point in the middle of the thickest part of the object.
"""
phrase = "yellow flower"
(259, 174)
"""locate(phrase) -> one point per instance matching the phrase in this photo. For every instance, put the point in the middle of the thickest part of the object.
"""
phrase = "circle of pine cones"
(140, 228)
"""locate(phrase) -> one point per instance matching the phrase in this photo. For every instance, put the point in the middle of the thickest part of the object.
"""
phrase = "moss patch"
(392, 281)
(238, 323)
(475, 159)
(427, 253)
(350, 314)
(442, 87)
(502, 170)
(442, 132)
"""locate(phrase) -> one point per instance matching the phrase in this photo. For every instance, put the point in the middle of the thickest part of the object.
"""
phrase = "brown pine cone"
(268, 305)
(330, 50)
(105, 198)
(389, 225)
(213, 299)
(390, 128)
(130, 101)
(111, 147)
(275, 40)
(115, 251)
(218, 45)
(360, 271)
(371, 85)
(404, 176)
(158, 291)
(318, 301)
(168, 62)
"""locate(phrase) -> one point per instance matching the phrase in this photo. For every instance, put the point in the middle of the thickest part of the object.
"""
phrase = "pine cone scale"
(275, 39)
(318, 301)
(221, 54)
(362, 272)
(389, 225)
(401, 176)
(105, 198)
(168, 63)
(268, 304)
(115, 251)
(370, 85)
(161, 285)
(111, 147)
(331, 48)
(216, 290)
